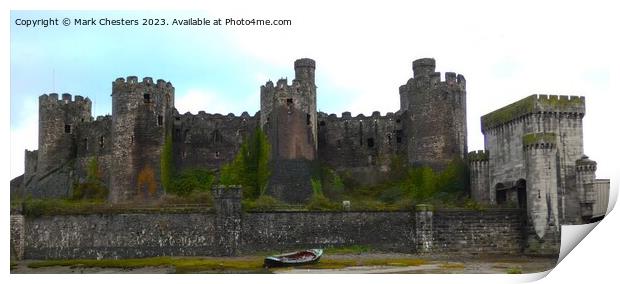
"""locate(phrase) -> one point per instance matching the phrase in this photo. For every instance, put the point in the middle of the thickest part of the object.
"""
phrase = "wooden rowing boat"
(294, 258)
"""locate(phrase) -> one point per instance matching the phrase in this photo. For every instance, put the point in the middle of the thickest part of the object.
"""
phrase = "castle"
(533, 157)
(533, 148)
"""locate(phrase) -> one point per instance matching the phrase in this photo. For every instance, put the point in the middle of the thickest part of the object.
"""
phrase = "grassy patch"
(452, 265)
(181, 265)
(195, 265)
(355, 249)
(514, 270)
(395, 262)
(195, 202)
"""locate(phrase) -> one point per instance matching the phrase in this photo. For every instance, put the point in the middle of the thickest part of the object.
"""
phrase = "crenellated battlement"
(540, 140)
(65, 98)
(132, 81)
(534, 104)
(281, 84)
(104, 118)
(478, 156)
(347, 116)
(188, 116)
(433, 81)
(584, 164)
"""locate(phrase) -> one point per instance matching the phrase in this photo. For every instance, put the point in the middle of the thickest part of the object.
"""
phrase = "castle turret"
(586, 177)
(289, 117)
(479, 176)
(436, 122)
(423, 67)
(58, 120)
(540, 152)
(141, 121)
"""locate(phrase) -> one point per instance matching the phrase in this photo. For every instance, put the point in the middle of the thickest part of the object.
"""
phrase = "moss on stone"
(539, 138)
(531, 104)
(478, 156)
(509, 112)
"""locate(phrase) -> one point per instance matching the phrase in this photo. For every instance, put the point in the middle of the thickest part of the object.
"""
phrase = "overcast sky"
(363, 54)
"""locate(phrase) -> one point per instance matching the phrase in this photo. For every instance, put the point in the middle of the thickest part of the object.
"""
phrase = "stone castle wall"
(363, 146)
(429, 129)
(208, 140)
(435, 116)
(141, 120)
(505, 128)
(190, 234)
(58, 121)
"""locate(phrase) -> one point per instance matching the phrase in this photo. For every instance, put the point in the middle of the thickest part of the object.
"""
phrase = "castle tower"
(58, 120)
(436, 121)
(479, 176)
(289, 117)
(586, 177)
(540, 152)
(141, 121)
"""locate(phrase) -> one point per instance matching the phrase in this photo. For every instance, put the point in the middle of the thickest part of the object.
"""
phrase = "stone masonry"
(429, 129)
(534, 159)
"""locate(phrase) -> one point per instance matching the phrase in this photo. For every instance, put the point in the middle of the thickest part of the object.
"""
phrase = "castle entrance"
(512, 194)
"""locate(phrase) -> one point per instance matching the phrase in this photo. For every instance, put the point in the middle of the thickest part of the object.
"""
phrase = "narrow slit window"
(370, 142)
(307, 119)
(160, 120)
(147, 98)
(67, 128)
(85, 141)
(217, 154)
(101, 141)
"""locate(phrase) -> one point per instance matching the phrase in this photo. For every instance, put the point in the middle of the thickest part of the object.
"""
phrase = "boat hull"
(304, 257)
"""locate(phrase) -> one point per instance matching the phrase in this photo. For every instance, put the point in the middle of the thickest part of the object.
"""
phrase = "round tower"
(436, 120)
(304, 69)
(58, 120)
(423, 67)
(141, 121)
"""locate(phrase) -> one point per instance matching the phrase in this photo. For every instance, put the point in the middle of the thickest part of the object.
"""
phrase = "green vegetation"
(166, 163)
(318, 201)
(250, 167)
(182, 265)
(542, 137)
(355, 249)
(195, 202)
(404, 187)
(191, 180)
(514, 270)
(452, 265)
(509, 112)
(529, 105)
(263, 203)
(195, 264)
(478, 156)
(93, 187)
(39, 207)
